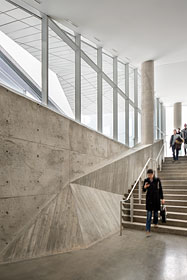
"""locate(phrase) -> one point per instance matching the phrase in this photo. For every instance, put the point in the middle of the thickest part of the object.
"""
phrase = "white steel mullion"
(99, 92)
(45, 54)
(136, 106)
(158, 117)
(127, 104)
(78, 79)
(115, 98)
(89, 61)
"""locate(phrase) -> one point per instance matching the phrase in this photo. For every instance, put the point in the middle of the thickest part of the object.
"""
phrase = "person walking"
(153, 188)
(179, 132)
(173, 146)
(184, 136)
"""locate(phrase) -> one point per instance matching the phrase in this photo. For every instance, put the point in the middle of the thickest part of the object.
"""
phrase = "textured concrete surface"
(75, 218)
(177, 115)
(117, 176)
(147, 124)
(42, 153)
(132, 256)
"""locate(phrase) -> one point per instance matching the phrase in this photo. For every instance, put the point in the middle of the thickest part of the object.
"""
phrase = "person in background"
(179, 132)
(184, 136)
(153, 188)
(173, 146)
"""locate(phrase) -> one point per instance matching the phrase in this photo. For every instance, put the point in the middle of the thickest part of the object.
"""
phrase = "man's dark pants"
(175, 154)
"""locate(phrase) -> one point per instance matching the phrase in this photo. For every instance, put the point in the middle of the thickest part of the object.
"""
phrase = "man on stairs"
(153, 188)
(174, 146)
(184, 136)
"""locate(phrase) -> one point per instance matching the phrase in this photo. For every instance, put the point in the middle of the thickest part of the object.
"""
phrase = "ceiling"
(137, 30)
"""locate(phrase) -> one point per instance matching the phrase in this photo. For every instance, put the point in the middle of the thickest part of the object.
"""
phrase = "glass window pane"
(107, 109)
(121, 119)
(61, 74)
(88, 95)
(139, 127)
(139, 91)
(108, 65)
(90, 51)
(131, 126)
(20, 41)
(121, 76)
(131, 83)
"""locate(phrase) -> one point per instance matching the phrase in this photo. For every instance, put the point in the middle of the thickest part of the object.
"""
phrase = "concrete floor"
(130, 257)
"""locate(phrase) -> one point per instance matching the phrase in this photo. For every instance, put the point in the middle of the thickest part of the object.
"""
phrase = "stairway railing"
(156, 163)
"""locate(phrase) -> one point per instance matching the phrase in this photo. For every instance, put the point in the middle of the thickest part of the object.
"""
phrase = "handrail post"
(160, 159)
(131, 207)
(140, 191)
(121, 205)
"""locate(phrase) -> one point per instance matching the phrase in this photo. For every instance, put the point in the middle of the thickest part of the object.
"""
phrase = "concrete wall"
(76, 218)
(117, 176)
(60, 182)
(41, 152)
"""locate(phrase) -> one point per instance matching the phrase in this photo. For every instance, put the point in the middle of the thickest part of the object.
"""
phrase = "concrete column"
(177, 108)
(158, 118)
(162, 120)
(147, 72)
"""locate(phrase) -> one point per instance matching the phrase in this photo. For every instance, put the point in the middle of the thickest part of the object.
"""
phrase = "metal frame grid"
(71, 57)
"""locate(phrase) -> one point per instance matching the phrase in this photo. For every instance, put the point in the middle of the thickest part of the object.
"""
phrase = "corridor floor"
(130, 257)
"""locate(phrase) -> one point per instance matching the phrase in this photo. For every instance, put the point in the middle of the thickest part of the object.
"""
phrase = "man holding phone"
(153, 188)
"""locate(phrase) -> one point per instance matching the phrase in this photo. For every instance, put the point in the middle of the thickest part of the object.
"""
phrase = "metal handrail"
(139, 177)
(160, 152)
(130, 196)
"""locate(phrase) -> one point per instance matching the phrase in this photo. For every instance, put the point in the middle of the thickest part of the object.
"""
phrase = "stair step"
(175, 183)
(170, 191)
(174, 165)
(170, 222)
(168, 196)
(179, 209)
(172, 172)
(168, 202)
(160, 229)
(170, 215)
(181, 158)
(165, 188)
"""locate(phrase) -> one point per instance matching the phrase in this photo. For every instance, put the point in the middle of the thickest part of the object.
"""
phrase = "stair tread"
(169, 194)
(168, 219)
(135, 204)
(160, 226)
(169, 200)
(168, 212)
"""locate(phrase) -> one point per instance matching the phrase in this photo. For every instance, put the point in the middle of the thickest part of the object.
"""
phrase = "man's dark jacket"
(154, 194)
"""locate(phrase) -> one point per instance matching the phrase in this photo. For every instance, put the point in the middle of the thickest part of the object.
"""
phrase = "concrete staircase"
(174, 182)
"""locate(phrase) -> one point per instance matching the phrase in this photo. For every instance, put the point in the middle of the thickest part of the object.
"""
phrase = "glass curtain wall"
(81, 84)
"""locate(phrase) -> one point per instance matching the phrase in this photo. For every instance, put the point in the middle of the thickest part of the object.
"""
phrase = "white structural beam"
(158, 117)
(136, 106)
(99, 92)
(115, 98)
(62, 34)
(78, 79)
(127, 104)
(45, 67)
